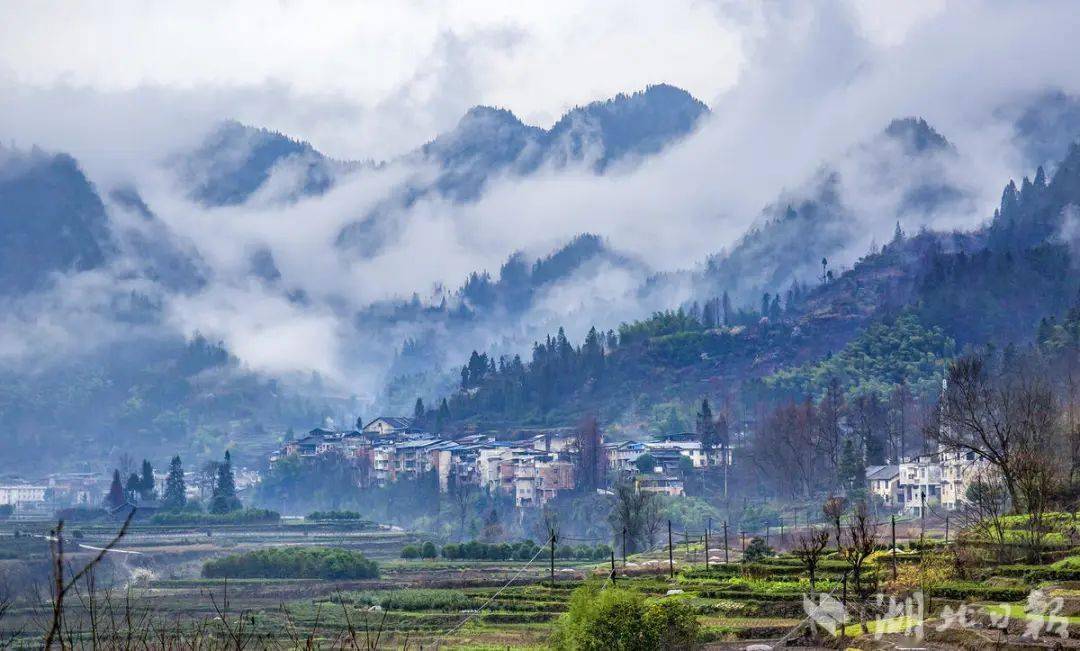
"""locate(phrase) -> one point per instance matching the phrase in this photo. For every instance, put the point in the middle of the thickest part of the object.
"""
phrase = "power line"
(491, 598)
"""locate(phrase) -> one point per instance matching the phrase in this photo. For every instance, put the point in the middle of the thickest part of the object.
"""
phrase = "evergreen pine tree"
(706, 426)
(146, 486)
(418, 411)
(728, 315)
(442, 416)
(224, 498)
(852, 469)
(133, 487)
(175, 497)
(116, 495)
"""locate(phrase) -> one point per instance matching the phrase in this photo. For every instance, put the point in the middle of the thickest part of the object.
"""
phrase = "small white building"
(884, 481)
(20, 494)
(389, 426)
(662, 484)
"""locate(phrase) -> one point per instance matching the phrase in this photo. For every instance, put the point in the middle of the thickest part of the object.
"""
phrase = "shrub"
(293, 563)
(756, 551)
(622, 619)
(245, 516)
(410, 552)
(475, 550)
(428, 550)
(333, 515)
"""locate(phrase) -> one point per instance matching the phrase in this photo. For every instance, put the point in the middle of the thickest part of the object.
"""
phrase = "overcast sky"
(371, 79)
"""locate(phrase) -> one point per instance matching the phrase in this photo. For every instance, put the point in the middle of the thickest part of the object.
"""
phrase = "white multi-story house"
(884, 481)
(958, 469)
(22, 494)
(663, 484)
(622, 455)
(689, 446)
(919, 483)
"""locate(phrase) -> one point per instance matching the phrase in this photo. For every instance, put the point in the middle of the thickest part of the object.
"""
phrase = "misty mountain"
(1046, 126)
(893, 318)
(149, 248)
(235, 161)
(51, 220)
(626, 126)
(487, 309)
(818, 221)
(490, 141)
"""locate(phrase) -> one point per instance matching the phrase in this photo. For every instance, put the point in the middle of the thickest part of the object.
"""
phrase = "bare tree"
(833, 509)
(462, 495)
(1004, 422)
(810, 546)
(786, 449)
(634, 512)
(900, 421)
(590, 454)
(127, 464)
(829, 414)
(1039, 467)
(986, 501)
(862, 532)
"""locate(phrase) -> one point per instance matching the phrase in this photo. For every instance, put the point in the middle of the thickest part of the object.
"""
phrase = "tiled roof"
(882, 472)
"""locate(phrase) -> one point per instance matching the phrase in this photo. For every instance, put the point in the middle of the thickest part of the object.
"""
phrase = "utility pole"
(624, 546)
(781, 531)
(686, 545)
(725, 542)
(613, 567)
(766, 535)
(708, 524)
(893, 550)
(922, 516)
(724, 451)
(742, 534)
(946, 528)
(843, 601)
(552, 557)
(670, 553)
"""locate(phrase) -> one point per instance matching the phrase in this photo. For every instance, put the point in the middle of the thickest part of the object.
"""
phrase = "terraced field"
(500, 604)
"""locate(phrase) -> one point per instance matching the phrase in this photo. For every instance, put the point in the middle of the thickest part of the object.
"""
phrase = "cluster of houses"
(42, 496)
(533, 469)
(937, 480)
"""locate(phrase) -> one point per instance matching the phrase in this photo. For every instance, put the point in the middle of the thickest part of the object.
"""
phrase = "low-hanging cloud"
(805, 88)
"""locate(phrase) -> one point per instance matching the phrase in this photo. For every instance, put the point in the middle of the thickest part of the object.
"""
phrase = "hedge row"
(521, 551)
(968, 589)
(246, 516)
(351, 516)
(293, 563)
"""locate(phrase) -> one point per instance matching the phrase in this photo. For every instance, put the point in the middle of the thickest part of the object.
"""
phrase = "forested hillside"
(889, 323)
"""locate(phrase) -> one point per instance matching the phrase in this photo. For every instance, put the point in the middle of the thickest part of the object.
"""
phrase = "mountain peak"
(916, 135)
(637, 124)
(235, 160)
(489, 114)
